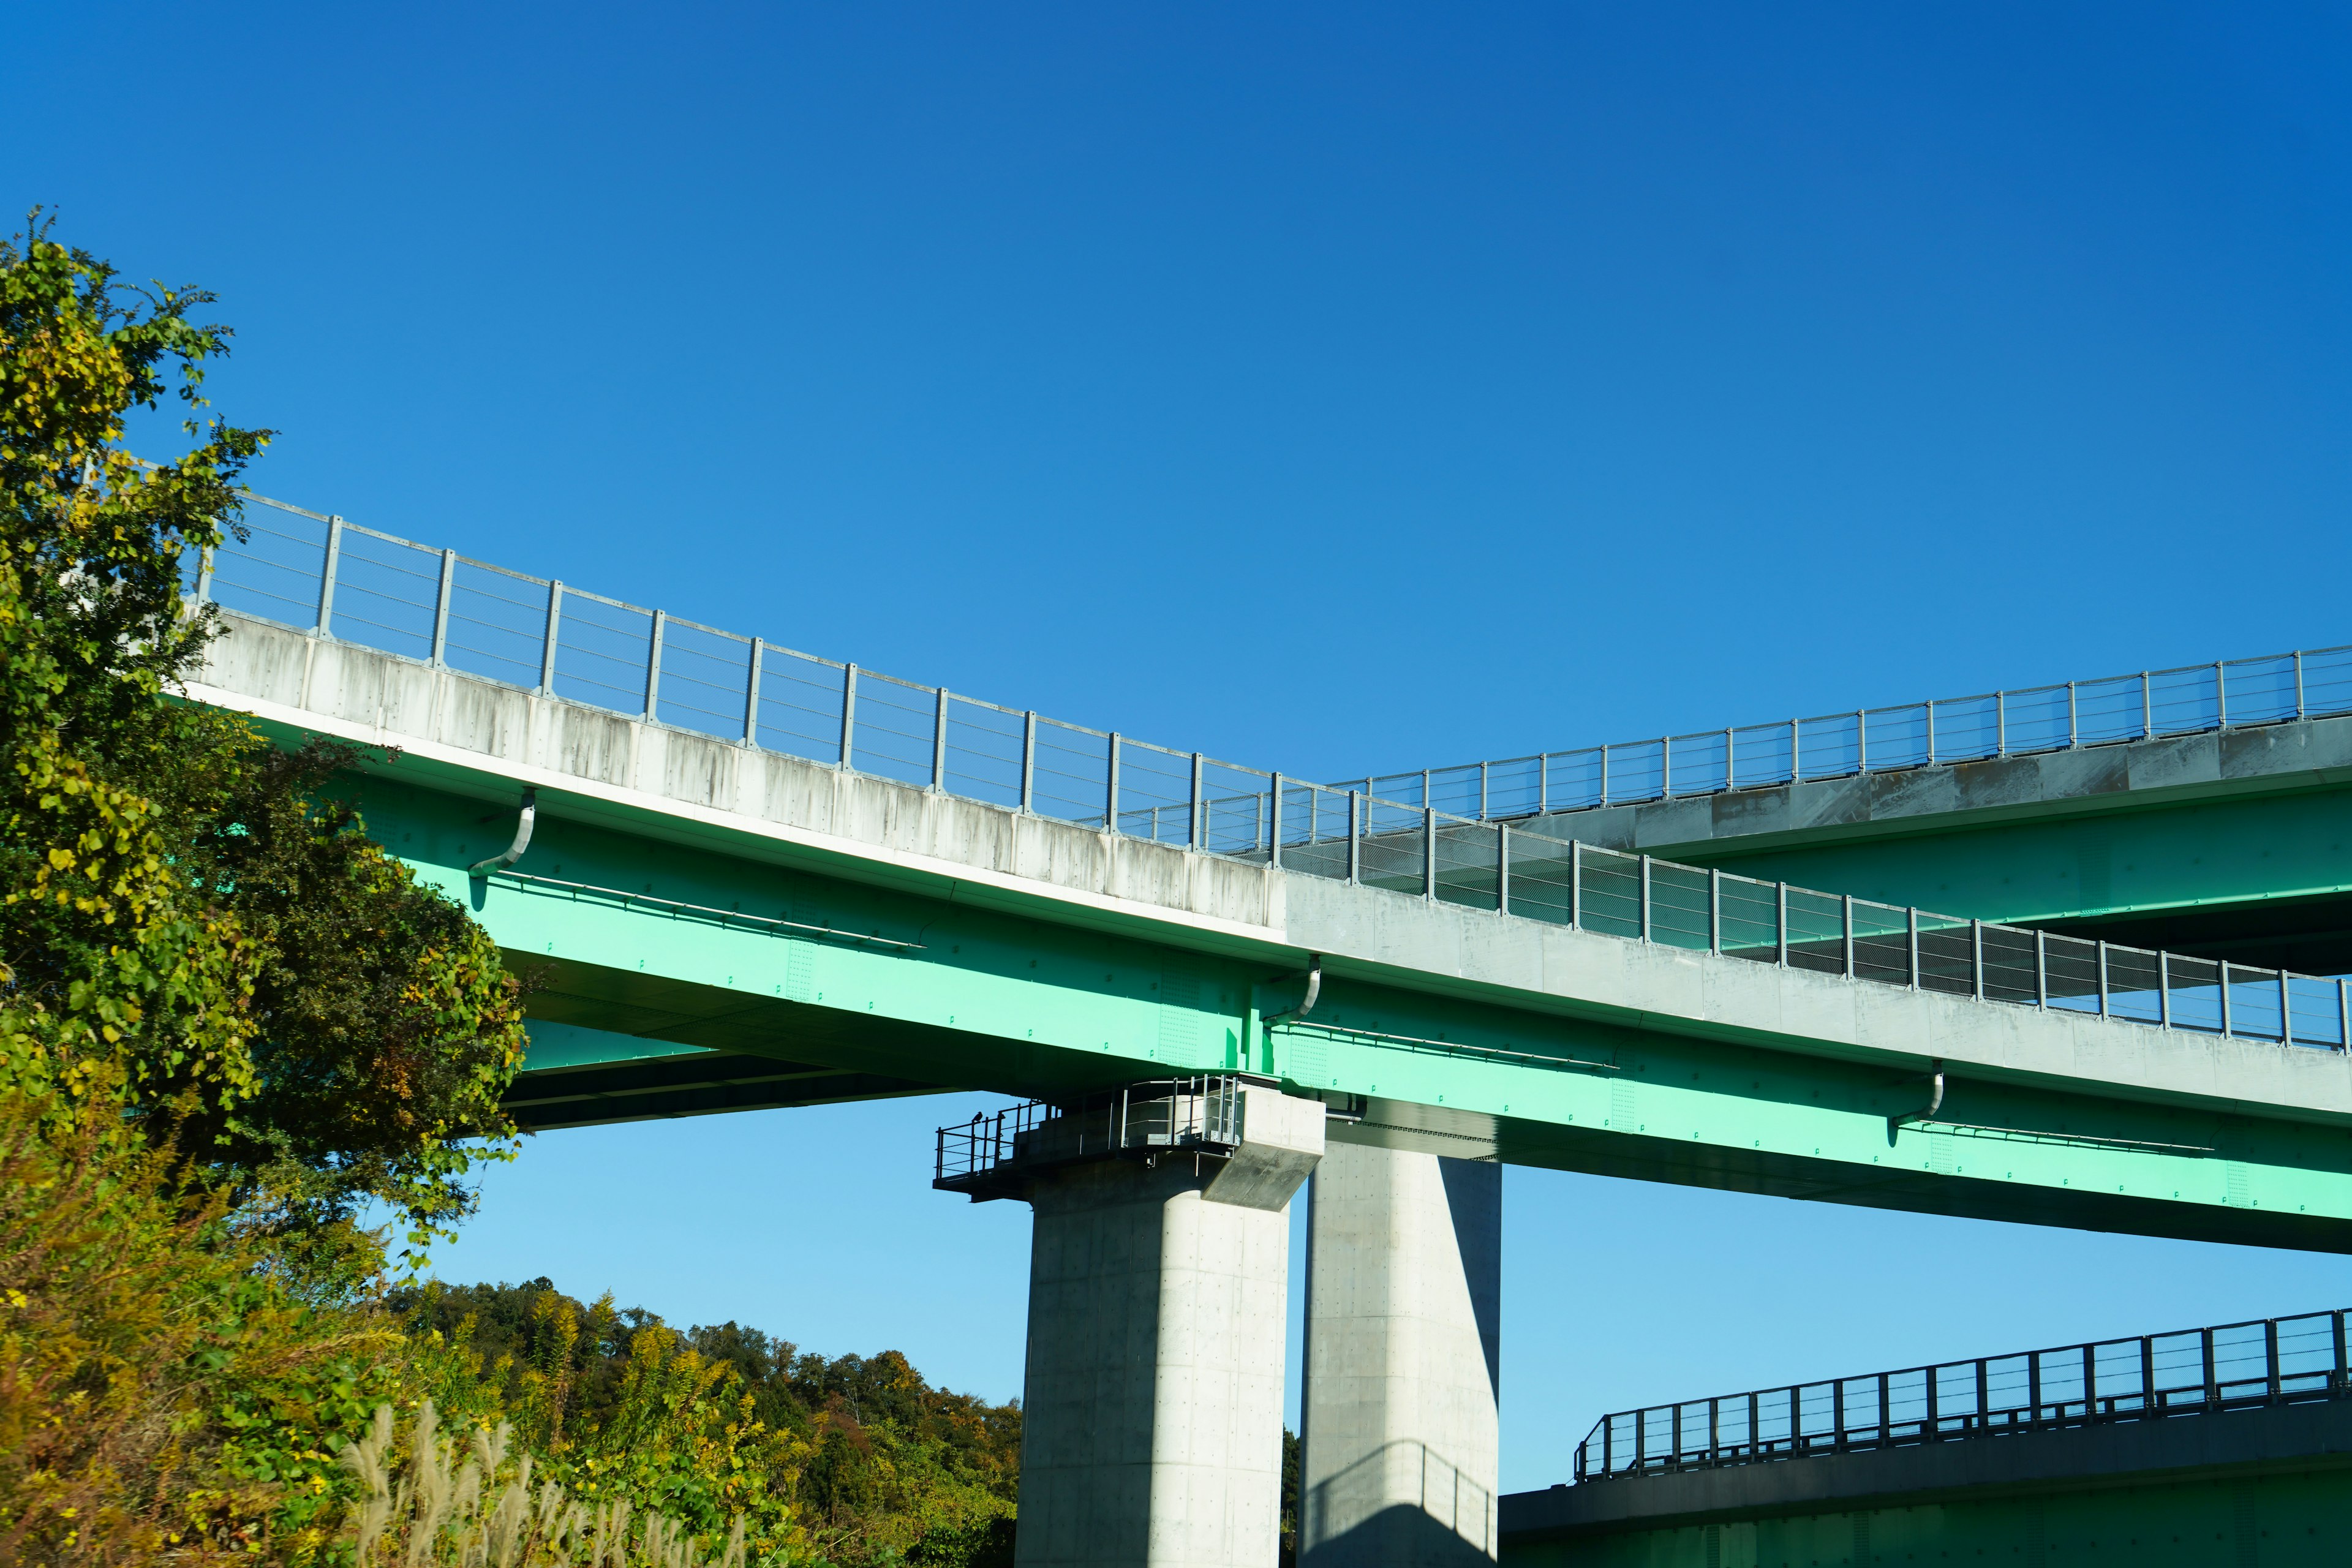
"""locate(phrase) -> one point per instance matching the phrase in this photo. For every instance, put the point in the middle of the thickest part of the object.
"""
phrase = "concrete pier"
(1404, 1327)
(1152, 1423)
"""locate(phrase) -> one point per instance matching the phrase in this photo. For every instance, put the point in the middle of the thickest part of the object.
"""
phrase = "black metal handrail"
(2230, 1366)
(1199, 1115)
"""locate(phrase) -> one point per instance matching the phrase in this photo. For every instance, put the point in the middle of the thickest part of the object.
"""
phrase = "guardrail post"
(2103, 979)
(1846, 925)
(2220, 697)
(2342, 1017)
(2298, 683)
(2164, 989)
(1482, 791)
(2090, 1385)
(1933, 1422)
(2286, 1012)
(1608, 1445)
(1886, 1421)
(751, 673)
(553, 638)
(1714, 909)
(1502, 867)
(1428, 852)
(1755, 1416)
(2146, 706)
(1999, 725)
(1273, 814)
(1780, 922)
(2040, 968)
(1355, 836)
(1911, 932)
(2221, 974)
(1930, 705)
(1862, 740)
(1575, 883)
(1640, 1440)
(1543, 783)
(940, 740)
(325, 627)
(1984, 1396)
(1674, 1436)
(2336, 1321)
(441, 606)
(1666, 767)
(1643, 911)
(2070, 713)
(204, 575)
(2270, 1358)
(1796, 772)
(653, 666)
(2148, 1397)
(1110, 793)
(1729, 777)
(2212, 1383)
(1605, 775)
(2033, 1386)
(1976, 956)
(1028, 758)
(849, 716)
(1192, 826)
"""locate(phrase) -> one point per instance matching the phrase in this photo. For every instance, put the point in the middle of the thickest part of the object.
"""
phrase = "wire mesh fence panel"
(1699, 763)
(897, 728)
(1468, 864)
(1315, 831)
(387, 592)
(1609, 893)
(1896, 737)
(1404, 789)
(1749, 917)
(2327, 680)
(602, 652)
(1457, 791)
(2241, 1362)
(2071, 973)
(1540, 873)
(1829, 747)
(1155, 793)
(1234, 818)
(2011, 968)
(706, 677)
(2255, 1004)
(1966, 728)
(1573, 780)
(2306, 1352)
(1816, 931)
(1946, 954)
(2037, 719)
(1515, 787)
(800, 705)
(1637, 771)
(2111, 708)
(1679, 906)
(2194, 988)
(2260, 691)
(1882, 942)
(497, 624)
(1762, 754)
(2135, 984)
(2184, 700)
(2117, 1374)
(2315, 1011)
(985, 746)
(275, 571)
(1069, 778)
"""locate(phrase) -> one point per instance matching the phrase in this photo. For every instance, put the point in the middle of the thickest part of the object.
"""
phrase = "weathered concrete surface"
(1403, 1371)
(474, 735)
(1151, 1429)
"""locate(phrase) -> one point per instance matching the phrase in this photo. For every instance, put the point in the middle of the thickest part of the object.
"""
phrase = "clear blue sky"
(1326, 388)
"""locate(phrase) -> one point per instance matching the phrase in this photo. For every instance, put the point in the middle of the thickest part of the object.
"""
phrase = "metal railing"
(2192, 698)
(335, 579)
(1185, 1115)
(2233, 1366)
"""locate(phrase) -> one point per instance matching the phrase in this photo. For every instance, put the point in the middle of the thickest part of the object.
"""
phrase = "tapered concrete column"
(1151, 1429)
(1403, 1335)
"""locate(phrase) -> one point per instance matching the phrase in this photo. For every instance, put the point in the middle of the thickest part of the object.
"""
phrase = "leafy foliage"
(185, 908)
(870, 1463)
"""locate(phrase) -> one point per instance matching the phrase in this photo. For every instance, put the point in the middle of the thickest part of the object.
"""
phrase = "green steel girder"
(1036, 1004)
(2261, 869)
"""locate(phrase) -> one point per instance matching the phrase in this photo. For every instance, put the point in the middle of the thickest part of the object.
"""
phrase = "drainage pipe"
(521, 840)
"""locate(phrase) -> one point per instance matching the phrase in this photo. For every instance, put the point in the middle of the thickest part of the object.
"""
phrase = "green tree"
(184, 908)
